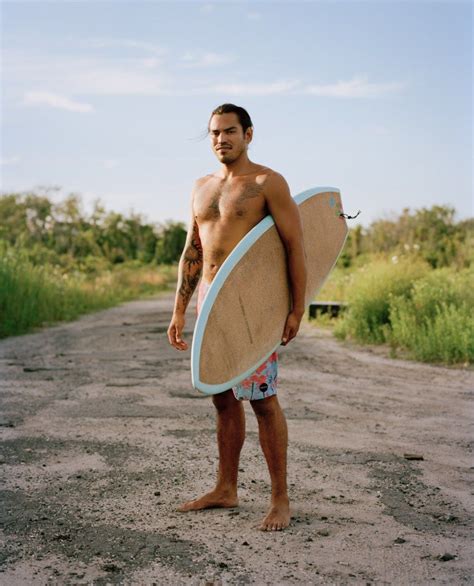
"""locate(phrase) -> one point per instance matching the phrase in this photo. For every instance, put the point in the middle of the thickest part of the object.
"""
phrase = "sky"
(111, 100)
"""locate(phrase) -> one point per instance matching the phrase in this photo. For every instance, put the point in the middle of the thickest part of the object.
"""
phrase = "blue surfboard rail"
(227, 266)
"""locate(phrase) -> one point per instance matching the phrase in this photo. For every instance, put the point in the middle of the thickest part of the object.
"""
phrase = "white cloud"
(358, 87)
(4, 161)
(124, 79)
(41, 98)
(254, 15)
(111, 163)
(62, 74)
(208, 59)
(151, 63)
(207, 8)
(153, 48)
(258, 89)
(380, 130)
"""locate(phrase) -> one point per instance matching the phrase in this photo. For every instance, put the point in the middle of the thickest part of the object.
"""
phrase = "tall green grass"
(336, 286)
(426, 312)
(32, 295)
(367, 319)
(436, 323)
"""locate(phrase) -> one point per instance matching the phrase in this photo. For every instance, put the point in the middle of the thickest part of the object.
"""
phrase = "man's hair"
(242, 115)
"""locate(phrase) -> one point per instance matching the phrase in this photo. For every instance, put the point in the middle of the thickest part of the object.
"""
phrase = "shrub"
(436, 324)
(32, 295)
(368, 295)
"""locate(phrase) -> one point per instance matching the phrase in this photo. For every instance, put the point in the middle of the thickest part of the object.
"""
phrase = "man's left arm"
(287, 219)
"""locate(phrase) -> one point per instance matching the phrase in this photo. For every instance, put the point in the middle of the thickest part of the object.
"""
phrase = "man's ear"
(249, 135)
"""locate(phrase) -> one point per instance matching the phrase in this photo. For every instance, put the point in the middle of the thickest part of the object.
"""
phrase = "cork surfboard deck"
(242, 317)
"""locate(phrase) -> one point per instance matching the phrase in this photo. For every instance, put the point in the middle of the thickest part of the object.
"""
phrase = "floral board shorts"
(262, 383)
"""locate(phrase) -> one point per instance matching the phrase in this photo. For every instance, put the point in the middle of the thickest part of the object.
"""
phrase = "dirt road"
(103, 436)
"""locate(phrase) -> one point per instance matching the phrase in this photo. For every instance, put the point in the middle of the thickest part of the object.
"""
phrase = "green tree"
(171, 242)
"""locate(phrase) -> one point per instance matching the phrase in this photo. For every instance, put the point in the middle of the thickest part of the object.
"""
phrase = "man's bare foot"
(278, 516)
(210, 500)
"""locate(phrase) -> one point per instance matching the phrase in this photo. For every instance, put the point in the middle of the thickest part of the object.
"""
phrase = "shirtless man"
(225, 205)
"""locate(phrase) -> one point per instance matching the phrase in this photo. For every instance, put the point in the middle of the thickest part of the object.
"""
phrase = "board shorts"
(262, 383)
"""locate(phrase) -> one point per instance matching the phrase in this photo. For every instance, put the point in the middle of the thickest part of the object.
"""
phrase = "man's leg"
(273, 433)
(230, 439)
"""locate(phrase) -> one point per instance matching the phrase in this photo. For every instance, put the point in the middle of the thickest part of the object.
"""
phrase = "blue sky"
(110, 99)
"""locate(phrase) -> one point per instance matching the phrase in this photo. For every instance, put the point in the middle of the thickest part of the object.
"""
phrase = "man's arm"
(287, 219)
(189, 272)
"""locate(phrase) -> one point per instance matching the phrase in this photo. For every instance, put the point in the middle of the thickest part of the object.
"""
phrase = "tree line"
(51, 232)
(432, 234)
(62, 233)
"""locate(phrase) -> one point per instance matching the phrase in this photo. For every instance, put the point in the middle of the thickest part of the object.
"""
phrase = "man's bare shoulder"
(273, 178)
(270, 175)
(201, 181)
(263, 171)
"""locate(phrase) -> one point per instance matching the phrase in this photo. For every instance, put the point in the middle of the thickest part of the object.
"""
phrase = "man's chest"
(218, 200)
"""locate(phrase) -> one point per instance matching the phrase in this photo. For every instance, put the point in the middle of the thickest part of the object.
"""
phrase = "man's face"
(227, 137)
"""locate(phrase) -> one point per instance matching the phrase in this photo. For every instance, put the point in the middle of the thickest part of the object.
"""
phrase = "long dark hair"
(242, 115)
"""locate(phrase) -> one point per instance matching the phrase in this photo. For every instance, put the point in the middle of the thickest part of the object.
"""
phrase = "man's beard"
(229, 157)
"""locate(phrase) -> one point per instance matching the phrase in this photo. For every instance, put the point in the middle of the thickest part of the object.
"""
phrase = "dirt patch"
(103, 437)
(43, 526)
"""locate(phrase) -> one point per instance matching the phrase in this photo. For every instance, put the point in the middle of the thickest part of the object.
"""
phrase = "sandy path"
(102, 436)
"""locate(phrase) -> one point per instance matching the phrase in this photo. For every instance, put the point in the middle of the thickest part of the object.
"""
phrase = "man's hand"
(291, 326)
(174, 332)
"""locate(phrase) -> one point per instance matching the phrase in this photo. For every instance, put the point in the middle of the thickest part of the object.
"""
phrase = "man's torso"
(225, 211)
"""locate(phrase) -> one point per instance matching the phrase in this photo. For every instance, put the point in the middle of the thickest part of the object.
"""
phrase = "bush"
(336, 286)
(368, 295)
(436, 324)
(171, 243)
(32, 296)
(426, 312)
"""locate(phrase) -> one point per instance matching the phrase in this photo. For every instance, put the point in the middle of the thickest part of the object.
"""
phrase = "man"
(225, 206)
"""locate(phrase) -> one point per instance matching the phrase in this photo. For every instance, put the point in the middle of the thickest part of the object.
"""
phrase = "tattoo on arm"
(190, 269)
(186, 290)
(193, 252)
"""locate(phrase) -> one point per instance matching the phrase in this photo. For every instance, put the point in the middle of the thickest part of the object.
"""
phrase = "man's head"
(231, 131)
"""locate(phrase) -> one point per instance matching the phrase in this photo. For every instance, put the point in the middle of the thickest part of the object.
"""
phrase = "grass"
(336, 286)
(368, 295)
(32, 296)
(426, 313)
(436, 322)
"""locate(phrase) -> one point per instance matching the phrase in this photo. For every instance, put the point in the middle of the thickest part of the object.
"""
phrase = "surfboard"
(242, 317)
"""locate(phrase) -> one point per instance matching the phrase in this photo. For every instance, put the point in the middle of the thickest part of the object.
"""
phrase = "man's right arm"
(190, 268)
(189, 272)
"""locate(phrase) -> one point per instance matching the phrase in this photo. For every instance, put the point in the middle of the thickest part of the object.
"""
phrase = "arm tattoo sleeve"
(190, 270)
